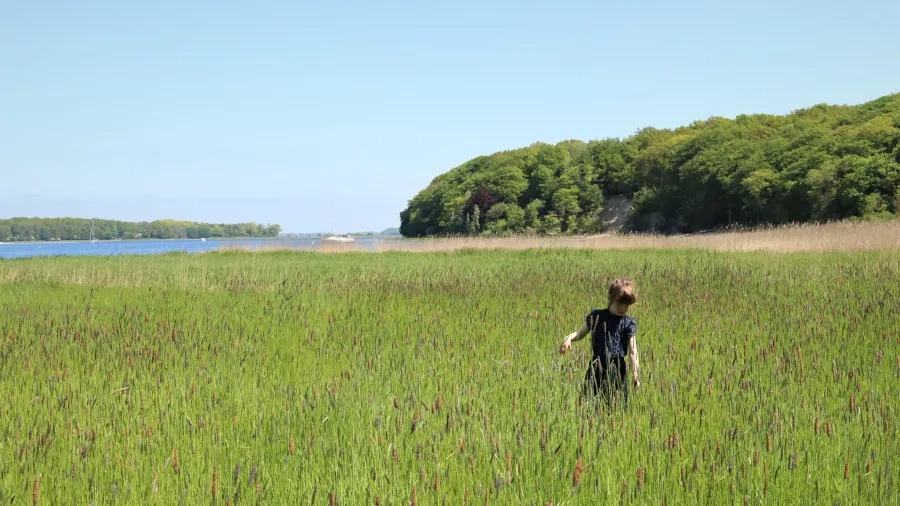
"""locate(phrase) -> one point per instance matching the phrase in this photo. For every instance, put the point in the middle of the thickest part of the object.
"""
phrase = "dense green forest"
(65, 229)
(816, 164)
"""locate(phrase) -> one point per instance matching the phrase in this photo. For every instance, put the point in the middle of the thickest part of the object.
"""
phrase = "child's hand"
(637, 383)
(565, 346)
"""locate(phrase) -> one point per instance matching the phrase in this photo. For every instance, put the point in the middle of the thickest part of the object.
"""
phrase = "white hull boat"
(335, 237)
(339, 238)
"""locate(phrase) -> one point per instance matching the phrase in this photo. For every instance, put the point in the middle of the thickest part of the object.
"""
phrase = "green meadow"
(435, 378)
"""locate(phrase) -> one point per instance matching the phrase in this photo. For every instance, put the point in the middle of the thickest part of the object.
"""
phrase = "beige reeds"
(835, 236)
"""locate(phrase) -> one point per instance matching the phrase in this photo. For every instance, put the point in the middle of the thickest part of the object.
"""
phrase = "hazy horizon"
(201, 209)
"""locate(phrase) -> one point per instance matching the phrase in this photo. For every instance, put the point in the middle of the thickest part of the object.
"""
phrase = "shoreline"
(280, 238)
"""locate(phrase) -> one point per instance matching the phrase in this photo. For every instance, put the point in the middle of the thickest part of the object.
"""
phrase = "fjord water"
(152, 246)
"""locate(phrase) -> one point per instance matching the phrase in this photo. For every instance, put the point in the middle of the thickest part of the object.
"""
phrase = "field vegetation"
(434, 378)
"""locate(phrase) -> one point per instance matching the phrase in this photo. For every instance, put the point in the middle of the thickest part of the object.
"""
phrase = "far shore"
(243, 238)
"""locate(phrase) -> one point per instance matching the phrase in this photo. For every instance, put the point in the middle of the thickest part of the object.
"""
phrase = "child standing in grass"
(613, 335)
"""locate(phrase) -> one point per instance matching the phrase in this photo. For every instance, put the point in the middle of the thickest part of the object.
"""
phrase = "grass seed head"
(543, 440)
(576, 475)
(36, 490)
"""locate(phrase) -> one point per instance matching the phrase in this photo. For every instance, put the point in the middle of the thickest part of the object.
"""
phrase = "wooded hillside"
(48, 229)
(821, 163)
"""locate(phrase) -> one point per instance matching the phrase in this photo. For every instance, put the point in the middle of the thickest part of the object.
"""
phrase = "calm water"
(148, 247)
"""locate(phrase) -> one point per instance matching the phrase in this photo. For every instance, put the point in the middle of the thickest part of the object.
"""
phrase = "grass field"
(434, 378)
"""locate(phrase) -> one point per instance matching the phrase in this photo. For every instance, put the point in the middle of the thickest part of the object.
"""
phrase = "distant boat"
(203, 239)
(339, 238)
(92, 232)
(335, 237)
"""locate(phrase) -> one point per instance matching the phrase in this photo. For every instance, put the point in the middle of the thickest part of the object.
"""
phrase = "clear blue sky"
(261, 111)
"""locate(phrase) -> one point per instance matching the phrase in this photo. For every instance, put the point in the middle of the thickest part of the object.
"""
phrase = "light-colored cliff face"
(615, 212)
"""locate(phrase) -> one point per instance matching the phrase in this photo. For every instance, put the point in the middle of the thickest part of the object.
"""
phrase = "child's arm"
(633, 355)
(574, 336)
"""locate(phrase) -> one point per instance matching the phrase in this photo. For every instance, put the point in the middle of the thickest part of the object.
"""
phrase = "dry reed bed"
(843, 236)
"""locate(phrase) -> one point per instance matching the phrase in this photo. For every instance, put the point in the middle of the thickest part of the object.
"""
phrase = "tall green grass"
(301, 378)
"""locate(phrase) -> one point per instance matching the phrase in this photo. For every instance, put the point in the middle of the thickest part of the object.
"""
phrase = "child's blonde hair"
(623, 290)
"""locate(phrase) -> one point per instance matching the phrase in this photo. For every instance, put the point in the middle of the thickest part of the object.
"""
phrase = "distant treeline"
(68, 229)
(816, 164)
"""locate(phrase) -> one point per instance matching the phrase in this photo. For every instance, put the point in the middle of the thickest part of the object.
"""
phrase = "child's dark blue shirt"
(618, 331)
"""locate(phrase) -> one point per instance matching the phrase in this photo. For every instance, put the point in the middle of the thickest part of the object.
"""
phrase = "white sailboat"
(335, 237)
(339, 238)
(92, 232)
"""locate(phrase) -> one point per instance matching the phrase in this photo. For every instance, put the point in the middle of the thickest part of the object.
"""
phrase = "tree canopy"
(822, 163)
(50, 229)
